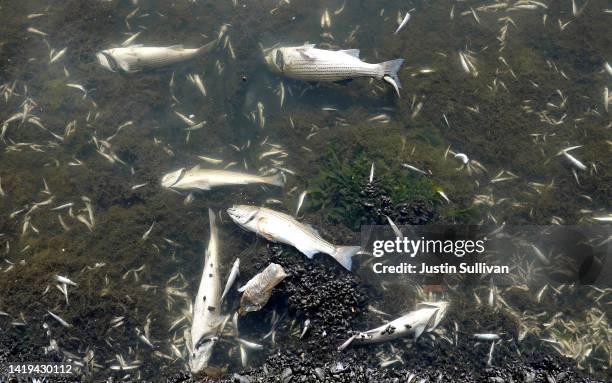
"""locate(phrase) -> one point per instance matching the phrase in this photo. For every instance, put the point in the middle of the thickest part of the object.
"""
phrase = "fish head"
(201, 355)
(105, 58)
(275, 59)
(172, 178)
(242, 214)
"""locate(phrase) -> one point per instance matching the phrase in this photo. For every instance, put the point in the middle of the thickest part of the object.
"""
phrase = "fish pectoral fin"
(418, 331)
(351, 52)
(307, 251)
(432, 321)
(123, 65)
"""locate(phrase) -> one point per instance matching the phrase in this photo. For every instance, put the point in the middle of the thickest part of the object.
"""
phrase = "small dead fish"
(407, 166)
(36, 31)
(258, 289)
(305, 329)
(58, 56)
(148, 232)
(60, 320)
(300, 202)
(487, 337)
(234, 272)
(130, 39)
(402, 23)
(210, 160)
(64, 280)
(79, 87)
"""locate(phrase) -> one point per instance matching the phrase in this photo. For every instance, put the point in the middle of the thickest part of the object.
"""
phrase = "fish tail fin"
(346, 343)
(344, 255)
(390, 68)
(276, 180)
(207, 47)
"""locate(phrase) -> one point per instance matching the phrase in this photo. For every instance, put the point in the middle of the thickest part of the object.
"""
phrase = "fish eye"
(279, 61)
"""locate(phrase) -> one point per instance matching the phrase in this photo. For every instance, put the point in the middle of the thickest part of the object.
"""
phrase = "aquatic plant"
(342, 190)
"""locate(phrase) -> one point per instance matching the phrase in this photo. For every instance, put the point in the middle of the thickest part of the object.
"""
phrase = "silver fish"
(206, 308)
(280, 227)
(258, 289)
(135, 58)
(234, 272)
(402, 23)
(425, 318)
(206, 179)
(308, 63)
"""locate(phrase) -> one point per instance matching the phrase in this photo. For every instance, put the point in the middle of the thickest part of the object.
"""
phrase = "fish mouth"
(201, 355)
(172, 178)
(270, 59)
(242, 214)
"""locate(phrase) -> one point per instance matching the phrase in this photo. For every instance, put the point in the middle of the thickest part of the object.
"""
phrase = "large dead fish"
(205, 179)
(425, 318)
(308, 63)
(258, 289)
(135, 58)
(207, 306)
(280, 227)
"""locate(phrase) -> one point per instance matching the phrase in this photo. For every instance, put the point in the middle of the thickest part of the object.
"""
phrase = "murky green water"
(538, 89)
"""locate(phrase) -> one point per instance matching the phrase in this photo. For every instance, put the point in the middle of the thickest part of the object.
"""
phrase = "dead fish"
(425, 318)
(283, 228)
(257, 291)
(234, 272)
(58, 56)
(60, 320)
(137, 57)
(402, 23)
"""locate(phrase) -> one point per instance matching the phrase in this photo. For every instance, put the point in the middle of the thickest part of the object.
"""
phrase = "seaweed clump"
(343, 190)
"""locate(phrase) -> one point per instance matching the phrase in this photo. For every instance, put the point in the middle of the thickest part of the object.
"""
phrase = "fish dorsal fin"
(351, 52)
(176, 47)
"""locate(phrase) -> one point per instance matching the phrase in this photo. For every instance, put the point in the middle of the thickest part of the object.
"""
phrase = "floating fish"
(402, 23)
(207, 305)
(308, 63)
(231, 278)
(425, 318)
(135, 58)
(258, 289)
(280, 227)
(206, 179)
